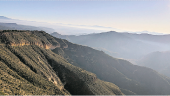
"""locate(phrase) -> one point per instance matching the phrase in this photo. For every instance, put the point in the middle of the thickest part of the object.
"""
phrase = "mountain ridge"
(158, 61)
(138, 79)
(121, 45)
(15, 26)
(3, 17)
(36, 70)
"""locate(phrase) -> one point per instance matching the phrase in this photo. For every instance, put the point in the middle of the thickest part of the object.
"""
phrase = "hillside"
(131, 79)
(29, 67)
(121, 45)
(158, 61)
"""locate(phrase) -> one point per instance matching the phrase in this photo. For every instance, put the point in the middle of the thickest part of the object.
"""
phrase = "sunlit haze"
(94, 15)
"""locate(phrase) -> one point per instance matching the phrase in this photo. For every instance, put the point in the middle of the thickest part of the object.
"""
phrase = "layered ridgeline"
(28, 66)
(132, 79)
(121, 45)
(158, 61)
(15, 26)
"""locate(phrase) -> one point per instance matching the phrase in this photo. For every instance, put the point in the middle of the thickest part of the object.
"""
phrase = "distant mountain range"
(69, 29)
(141, 49)
(122, 45)
(158, 61)
(14, 26)
(63, 28)
(3, 17)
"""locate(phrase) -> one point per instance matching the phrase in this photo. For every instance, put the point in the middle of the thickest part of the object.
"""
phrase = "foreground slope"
(132, 79)
(28, 66)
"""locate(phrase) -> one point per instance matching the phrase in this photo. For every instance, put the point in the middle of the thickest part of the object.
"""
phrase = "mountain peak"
(7, 24)
(3, 17)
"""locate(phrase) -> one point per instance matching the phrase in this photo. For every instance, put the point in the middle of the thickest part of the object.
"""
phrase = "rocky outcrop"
(20, 38)
(46, 46)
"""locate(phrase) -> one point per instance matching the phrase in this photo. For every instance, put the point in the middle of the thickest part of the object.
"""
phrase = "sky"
(113, 15)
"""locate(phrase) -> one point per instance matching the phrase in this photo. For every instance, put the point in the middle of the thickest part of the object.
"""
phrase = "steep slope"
(28, 66)
(158, 61)
(120, 45)
(132, 79)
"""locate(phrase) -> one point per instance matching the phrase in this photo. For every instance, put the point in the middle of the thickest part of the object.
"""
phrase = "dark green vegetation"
(121, 45)
(158, 61)
(28, 66)
(132, 79)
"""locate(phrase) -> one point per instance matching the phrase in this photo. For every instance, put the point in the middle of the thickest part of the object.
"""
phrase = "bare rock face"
(21, 38)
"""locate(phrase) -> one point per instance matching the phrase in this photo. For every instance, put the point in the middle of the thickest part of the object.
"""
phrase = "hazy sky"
(128, 15)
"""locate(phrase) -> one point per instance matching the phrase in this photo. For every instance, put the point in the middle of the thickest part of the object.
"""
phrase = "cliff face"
(30, 38)
(25, 71)
(28, 67)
